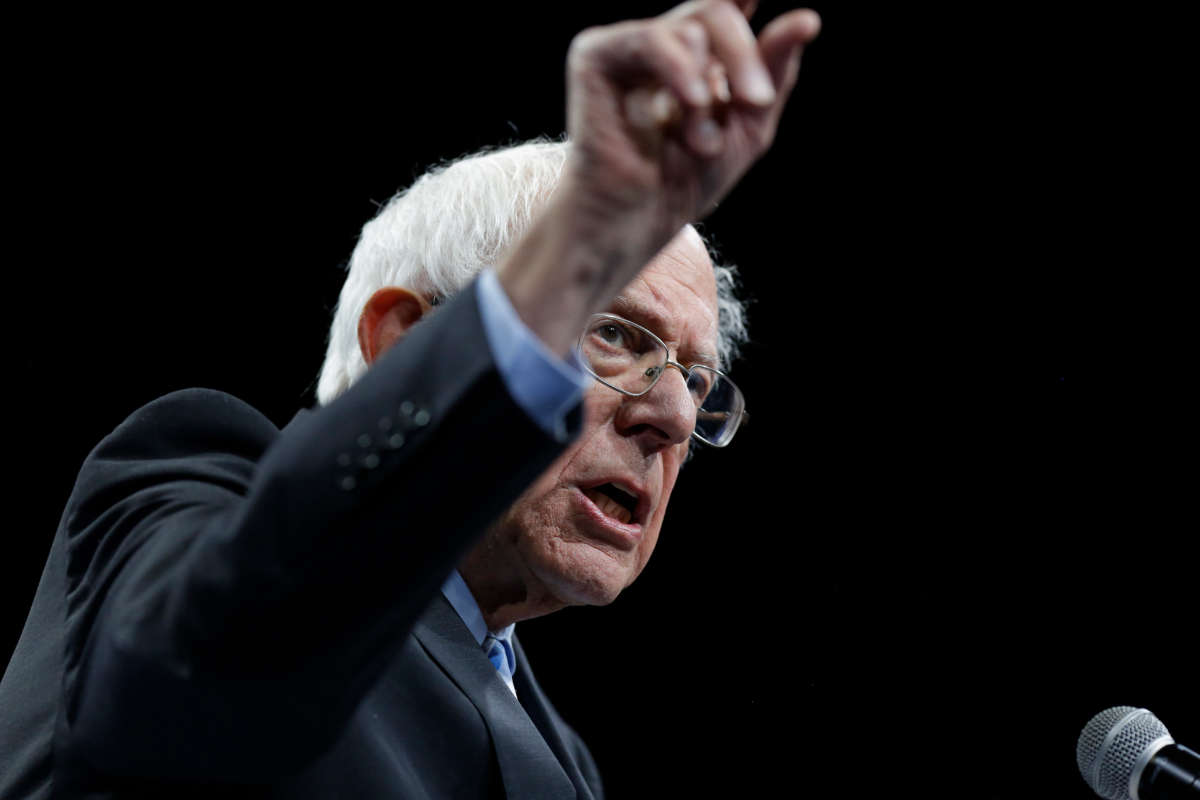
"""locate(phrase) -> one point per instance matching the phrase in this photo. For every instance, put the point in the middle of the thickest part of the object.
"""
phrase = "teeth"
(614, 509)
(609, 506)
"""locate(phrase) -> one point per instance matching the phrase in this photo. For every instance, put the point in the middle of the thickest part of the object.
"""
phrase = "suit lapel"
(527, 766)
(539, 708)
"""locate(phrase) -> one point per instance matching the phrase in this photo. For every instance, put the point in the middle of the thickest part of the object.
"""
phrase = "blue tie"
(500, 653)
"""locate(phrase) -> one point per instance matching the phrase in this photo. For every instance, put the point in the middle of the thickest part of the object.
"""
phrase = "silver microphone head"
(1115, 747)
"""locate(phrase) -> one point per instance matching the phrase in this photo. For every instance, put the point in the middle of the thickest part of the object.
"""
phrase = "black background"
(959, 524)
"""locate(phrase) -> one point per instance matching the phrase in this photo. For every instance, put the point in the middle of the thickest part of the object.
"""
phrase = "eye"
(700, 382)
(607, 339)
(610, 333)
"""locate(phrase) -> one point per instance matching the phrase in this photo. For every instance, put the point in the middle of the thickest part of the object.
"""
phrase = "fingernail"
(757, 86)
(721, 89)
(697, 91)
(708, 134)
(665, 107)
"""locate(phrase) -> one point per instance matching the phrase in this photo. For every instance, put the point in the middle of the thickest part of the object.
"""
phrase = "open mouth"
(615, 501)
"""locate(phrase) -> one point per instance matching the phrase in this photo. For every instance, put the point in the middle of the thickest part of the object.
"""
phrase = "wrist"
(576, 257)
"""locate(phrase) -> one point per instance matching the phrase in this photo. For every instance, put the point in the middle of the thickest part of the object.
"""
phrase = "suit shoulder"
(193, 436)
(189, 421)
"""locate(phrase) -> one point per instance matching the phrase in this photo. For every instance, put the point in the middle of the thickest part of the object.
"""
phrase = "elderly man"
(227, 604)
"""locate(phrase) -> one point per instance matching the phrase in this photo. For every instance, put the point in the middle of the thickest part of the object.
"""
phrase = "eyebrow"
(651, 319)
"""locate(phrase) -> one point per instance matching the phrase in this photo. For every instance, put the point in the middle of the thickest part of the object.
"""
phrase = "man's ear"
(385, 319)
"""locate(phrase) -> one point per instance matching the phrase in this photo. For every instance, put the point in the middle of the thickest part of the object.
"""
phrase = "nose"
(663, 416)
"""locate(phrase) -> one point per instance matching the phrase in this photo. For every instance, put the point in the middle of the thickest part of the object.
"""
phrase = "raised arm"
(233, 592)
(665, 115)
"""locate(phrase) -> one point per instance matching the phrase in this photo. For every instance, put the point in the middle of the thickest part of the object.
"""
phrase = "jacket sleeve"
(233, 592)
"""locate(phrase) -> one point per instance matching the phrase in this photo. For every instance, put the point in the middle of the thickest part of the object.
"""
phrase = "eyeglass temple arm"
(714, 415)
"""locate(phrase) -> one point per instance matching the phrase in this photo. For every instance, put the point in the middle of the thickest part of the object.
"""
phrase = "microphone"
(1126, 753)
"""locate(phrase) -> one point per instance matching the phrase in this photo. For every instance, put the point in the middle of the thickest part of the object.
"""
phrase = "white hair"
(456, 219)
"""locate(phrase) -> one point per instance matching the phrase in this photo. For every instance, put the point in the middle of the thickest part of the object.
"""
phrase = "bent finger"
(733, 44)
(781, 44)
(652, 109)
(702, 134)
(746, 7)
(646, 53)
(718, 83)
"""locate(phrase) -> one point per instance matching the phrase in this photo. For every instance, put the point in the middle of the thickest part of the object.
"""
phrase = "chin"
(580, 574)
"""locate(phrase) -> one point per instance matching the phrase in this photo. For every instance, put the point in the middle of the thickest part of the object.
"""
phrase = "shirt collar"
(458, 594)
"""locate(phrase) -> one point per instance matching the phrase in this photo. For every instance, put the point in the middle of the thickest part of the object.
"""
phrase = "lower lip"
(621, 534)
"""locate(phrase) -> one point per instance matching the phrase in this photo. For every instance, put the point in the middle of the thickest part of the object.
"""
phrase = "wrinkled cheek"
(549, 481)
(600, 405)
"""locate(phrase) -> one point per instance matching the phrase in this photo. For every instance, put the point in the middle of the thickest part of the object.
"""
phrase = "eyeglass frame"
(686, 371)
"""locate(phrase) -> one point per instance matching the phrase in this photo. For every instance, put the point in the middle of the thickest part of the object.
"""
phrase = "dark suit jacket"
(231, 608)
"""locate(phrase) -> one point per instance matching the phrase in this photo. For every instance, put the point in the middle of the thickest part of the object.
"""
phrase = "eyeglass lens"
(622, 356)
(629, 359)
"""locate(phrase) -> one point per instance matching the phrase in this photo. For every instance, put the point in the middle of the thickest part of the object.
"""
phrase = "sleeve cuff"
(545, 386)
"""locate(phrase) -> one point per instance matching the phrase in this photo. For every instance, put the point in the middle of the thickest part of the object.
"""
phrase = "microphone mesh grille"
(1134, 733)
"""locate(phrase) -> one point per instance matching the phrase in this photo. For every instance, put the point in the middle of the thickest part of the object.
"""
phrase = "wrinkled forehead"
(676, 297)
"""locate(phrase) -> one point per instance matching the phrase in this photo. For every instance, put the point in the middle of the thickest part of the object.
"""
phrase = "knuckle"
(718, 10)
(655, 40)
(691, 37)
(729, 9)
(692, 32)
(585, 42)
(659, 51)
(724, 16)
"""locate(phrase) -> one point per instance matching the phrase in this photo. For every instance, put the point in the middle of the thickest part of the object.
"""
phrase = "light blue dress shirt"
(458, 594)
(541, 383)
(546, 387)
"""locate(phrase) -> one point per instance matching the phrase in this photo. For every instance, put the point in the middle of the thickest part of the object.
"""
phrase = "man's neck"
(506, 593)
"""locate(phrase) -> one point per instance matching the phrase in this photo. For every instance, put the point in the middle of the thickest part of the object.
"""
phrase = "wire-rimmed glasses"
(629, 358)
